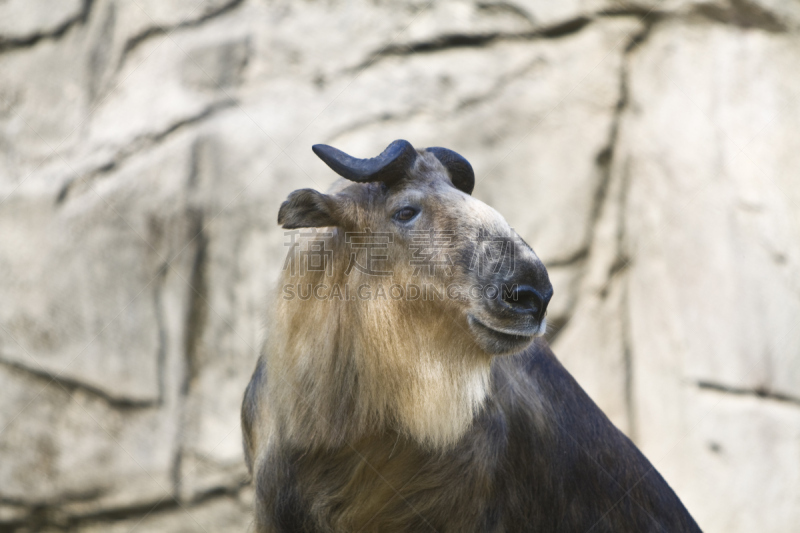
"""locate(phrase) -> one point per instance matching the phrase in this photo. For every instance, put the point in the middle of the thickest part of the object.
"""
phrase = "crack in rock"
(743, 14)
(574, 259)
(134, 42)
(507, 7)
(758, 392)
(71, 385)
(196, 318)
(139, 145)
(58, 32)
(615, 266)
(620, 264)
(43, 516)
(472, 40)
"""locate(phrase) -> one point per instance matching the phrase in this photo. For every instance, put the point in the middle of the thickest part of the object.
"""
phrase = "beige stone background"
(649, 151)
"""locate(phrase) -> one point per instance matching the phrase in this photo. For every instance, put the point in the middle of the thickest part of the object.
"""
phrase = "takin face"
(409, 231)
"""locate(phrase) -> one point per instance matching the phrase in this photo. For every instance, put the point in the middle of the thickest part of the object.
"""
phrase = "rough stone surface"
(712, 451)
(645, 149)
(66, 442)
(714, 263)
(724, 236)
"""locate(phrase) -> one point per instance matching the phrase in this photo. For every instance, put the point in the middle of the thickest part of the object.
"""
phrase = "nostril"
(526, 299)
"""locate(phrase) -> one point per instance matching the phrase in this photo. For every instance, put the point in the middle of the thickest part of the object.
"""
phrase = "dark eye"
(405, 214)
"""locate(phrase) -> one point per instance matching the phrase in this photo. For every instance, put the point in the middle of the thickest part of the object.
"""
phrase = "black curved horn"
(389, 167)
(461, 173)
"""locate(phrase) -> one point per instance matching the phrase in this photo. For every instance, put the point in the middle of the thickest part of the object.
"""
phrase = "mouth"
(500, 341)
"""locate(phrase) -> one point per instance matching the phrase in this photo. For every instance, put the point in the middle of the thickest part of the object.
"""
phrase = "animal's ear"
(307, 208)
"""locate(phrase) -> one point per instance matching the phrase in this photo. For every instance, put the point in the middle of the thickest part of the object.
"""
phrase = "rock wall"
(647, 150)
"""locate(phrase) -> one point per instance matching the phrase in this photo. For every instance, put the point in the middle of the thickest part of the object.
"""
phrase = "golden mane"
(342, 368)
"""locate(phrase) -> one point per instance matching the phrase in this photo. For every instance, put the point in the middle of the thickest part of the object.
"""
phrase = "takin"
(404, 384)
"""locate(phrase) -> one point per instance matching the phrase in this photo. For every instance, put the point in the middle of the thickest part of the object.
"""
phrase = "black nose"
(526, 299)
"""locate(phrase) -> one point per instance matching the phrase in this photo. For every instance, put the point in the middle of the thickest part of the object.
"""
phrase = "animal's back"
(567, 467)
(540, 457)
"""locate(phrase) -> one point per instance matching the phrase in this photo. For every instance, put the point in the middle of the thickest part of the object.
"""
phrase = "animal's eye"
(405, 214)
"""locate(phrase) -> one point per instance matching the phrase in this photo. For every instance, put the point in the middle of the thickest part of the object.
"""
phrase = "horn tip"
(319, 148)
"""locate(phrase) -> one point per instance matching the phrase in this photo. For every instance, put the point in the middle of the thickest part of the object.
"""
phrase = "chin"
(497, 340)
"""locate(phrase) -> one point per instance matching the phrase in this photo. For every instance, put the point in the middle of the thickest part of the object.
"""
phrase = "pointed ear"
(307, 208)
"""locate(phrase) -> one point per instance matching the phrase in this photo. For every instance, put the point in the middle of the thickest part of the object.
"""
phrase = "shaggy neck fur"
(340, 370)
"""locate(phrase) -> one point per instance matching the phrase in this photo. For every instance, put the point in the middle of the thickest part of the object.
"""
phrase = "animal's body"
(450, 415)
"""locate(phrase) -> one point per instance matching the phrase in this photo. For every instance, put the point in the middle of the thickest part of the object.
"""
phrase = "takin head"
(428, 234)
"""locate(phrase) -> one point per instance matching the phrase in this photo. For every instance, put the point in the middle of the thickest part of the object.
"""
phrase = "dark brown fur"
(541, 457)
